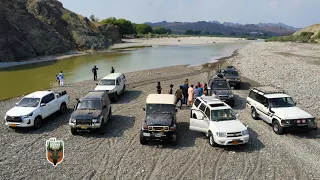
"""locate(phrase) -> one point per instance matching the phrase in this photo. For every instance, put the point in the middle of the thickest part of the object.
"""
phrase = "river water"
(19, 80)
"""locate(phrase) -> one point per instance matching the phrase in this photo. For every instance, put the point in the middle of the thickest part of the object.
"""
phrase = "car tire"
(101, 129)
(277, 128)
(211, 140)
(143, 140)
(124, 89)
(63, 108)
(110, 115)
(173, 139)
(74, 131)
(37, 122)
(115, 99)
(254, 114)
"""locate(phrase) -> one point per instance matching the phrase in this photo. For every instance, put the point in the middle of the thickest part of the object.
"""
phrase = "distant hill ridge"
(228, 28)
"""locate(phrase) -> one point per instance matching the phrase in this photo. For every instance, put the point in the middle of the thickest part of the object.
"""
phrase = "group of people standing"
(95, 72)
(185, 94)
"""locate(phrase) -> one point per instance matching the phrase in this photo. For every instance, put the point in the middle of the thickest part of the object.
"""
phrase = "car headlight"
(28, 115)
(95, 120)
(73, 120)
(245, 132)
(231, 96)
(221, 134)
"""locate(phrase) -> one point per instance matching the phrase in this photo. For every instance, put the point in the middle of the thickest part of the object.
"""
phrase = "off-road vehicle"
(160, 122)
(91, 112)
(231, 75)
(276, 107)
(218, 121)
(221, 89)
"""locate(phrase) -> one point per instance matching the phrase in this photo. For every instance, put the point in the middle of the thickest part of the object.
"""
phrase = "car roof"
(277, 95)
(161, 99)
(94, 95)
(112, 76)
(214, 103)
(38, 94)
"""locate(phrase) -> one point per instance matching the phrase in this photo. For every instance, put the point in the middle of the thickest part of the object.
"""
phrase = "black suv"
(221, 88)
(91, 112)
(231, 75)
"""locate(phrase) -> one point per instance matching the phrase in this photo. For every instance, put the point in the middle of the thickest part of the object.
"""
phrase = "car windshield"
(222, 115)
(160, 108)
(106, 82)
(231, 73)
(29, 102)
(282, 102)
(220, 85)
(89, 104)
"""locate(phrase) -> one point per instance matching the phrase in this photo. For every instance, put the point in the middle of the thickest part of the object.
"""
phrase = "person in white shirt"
(61, 78)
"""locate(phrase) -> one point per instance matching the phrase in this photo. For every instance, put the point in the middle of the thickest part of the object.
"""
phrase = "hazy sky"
(298, 13)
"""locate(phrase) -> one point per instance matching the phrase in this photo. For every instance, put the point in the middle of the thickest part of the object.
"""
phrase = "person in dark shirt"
(185, 88)
(179, 96)
(205, 89)
(170, 90)
(94, 71)
(112, 70)
(159, 88)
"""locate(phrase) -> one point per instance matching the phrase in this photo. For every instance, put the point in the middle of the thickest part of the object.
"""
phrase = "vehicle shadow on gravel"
(239, 103)
(128, 96)
(254, 144)
(185, 137)
(315, 134)
(114, 128)
(51, 123)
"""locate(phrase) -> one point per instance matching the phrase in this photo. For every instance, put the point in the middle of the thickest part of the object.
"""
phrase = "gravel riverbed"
(118, 154)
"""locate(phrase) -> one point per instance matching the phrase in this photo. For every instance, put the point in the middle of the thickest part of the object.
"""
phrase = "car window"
(253, 95)
(260, 98)
(119, 79)
(207, 112)
(50, 97)
(202, 107)
(197, 102)
(47, 98)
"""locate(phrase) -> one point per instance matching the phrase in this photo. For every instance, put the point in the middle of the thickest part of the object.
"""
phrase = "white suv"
(114, 84)
(218, 121)
(276, 107)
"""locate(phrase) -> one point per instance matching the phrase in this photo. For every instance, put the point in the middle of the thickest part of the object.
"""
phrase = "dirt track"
(119, 155)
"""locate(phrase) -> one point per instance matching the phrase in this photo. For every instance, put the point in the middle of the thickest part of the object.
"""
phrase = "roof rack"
(269, 90)
(209, 98)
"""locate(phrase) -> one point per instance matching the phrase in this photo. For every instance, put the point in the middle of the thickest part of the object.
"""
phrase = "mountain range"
(228, 28)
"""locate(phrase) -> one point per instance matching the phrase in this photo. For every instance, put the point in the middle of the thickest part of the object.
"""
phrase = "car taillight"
(298, 121)
(304, 121)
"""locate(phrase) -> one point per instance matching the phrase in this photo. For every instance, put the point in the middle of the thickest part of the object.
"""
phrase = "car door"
(45, 107)
(260, 107)
(52, 103)
(198, 120)
(266, 115)
(118, 87)
(104, 110)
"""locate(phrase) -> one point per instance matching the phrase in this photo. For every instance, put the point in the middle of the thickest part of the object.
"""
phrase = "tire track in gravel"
(157, 165)
(120, 161)
(190, 163)
(257, 166)
(218, 164)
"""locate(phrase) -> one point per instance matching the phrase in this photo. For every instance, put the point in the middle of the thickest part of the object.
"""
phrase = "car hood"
(85, 114)
(222, 92)
(291, 113)
(20, 111)
(104, 88)
(159, 119)
(229, 126)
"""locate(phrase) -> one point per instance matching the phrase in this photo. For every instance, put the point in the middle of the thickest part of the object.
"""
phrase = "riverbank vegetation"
(303, 37)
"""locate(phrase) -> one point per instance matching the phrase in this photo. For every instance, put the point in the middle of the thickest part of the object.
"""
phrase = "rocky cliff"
(30, 28)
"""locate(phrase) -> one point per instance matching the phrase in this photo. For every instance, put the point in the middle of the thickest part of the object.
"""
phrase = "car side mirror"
(17, 104)
(77, 99)
(104, 106)
(43, 104)
(96, 83)
(144, 109)
(176, 110)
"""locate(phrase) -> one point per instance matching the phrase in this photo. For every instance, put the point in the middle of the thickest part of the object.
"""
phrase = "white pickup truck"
(33, 108)
(218, 121)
